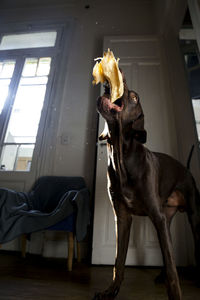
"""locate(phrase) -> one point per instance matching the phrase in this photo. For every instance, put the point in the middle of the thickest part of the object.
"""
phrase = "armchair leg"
(23, 245)
(70, 250)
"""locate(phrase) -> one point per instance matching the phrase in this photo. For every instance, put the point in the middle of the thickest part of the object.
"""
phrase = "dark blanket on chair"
(50, 201)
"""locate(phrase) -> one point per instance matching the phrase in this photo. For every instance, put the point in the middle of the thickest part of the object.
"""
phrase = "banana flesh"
(107, 70)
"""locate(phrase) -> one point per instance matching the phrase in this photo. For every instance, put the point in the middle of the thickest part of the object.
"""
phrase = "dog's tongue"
(108, 105)
(107, 70)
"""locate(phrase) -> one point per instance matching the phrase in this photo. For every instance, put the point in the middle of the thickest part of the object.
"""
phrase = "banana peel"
(107, 70)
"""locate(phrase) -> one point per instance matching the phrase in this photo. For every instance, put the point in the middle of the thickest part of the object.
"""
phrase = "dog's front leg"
(123, 224)
(162, 227)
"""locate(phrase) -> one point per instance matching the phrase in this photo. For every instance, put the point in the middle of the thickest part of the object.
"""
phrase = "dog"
(143, 183)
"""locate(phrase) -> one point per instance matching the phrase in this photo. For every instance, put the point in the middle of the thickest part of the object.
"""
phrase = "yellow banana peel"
(107, 70)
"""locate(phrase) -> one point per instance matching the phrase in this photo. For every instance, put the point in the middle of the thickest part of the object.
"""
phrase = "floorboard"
(40, 278)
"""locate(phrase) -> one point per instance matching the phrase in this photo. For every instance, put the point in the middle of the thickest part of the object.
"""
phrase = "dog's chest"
(132, 200)
(123, 175)
(122, 190)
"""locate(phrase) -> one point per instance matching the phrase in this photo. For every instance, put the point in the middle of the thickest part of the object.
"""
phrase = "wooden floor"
(43, 279)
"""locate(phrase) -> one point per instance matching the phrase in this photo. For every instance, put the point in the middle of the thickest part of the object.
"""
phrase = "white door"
(140, 59)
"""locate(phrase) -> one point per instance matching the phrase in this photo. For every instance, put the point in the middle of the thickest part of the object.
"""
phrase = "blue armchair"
(54, 203)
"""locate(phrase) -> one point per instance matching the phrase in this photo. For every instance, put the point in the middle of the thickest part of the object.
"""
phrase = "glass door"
(18, 141)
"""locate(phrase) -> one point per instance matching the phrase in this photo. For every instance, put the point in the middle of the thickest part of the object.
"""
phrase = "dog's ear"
(140, 136)
(104, 134)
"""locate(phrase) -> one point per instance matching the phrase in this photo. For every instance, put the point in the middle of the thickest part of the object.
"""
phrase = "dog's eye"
(133, 97)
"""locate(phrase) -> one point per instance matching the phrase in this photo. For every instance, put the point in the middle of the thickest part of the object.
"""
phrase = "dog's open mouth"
(105, 103)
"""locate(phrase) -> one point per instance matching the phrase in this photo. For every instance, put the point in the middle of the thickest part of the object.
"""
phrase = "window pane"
(28, 40)
(34, 80)
(30, 67)
(25, 114)
(8, 157)
(16, 157)
(44, 66)
(6, 69)
(24, 158)
(6, 72)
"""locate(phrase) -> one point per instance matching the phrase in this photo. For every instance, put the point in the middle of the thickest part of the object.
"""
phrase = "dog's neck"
(120, 147)
(117, 138)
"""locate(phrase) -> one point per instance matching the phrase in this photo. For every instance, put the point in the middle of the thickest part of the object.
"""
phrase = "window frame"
(20, 55)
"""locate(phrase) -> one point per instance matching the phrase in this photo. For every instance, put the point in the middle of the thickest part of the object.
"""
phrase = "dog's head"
(127, 110)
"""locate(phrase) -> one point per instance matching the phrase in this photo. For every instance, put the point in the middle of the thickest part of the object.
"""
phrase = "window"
(190, 48)
(192, 63)
(24, 82)
(28, 40)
